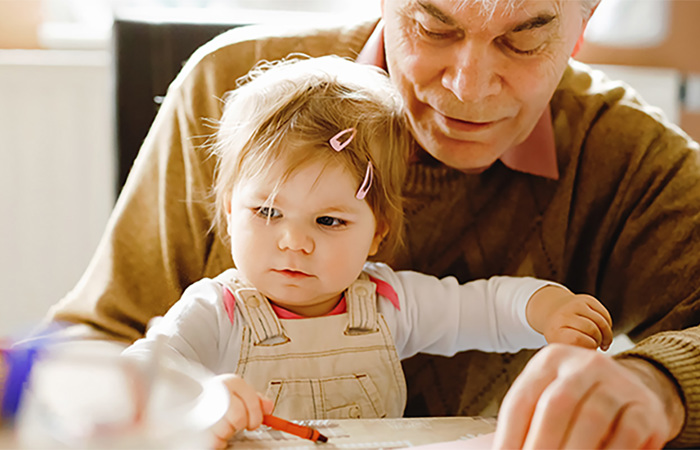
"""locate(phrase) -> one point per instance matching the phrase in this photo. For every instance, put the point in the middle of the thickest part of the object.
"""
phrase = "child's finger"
(582, 322)
(251, 402)
(599, 308)
(572, 336)
(244, 410)
(234, 420)
(600, 316)
(266, 404)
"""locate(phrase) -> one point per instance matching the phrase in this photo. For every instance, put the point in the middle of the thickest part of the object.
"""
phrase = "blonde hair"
(287, 111)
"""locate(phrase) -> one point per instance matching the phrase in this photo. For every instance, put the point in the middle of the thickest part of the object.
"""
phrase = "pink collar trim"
(537, 155)
(384, 289)
(282, 313)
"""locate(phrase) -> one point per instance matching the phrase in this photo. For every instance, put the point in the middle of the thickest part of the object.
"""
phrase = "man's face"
(475, 85)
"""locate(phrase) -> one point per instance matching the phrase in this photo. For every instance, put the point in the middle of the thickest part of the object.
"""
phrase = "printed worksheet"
(370, 433)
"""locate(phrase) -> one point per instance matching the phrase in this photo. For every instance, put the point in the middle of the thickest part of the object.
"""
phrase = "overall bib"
(332, 367)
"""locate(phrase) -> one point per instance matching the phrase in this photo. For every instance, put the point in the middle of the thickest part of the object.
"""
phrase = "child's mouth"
(291, 273)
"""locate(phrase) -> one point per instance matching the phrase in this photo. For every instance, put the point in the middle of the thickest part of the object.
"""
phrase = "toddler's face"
(303, 251)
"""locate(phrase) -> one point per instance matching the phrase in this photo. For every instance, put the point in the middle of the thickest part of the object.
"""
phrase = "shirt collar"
(282, 313)
(536, 155)
(384, 289)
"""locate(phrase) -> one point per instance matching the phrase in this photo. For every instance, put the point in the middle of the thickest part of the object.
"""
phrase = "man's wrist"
(663, 385)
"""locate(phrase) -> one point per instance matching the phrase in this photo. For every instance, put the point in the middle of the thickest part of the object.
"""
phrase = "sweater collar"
(536, 155)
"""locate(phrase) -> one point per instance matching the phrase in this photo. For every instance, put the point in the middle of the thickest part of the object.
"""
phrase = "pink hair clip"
(366, 183)
(335, 140)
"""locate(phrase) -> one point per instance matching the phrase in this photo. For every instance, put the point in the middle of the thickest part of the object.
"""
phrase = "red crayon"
(293, 428)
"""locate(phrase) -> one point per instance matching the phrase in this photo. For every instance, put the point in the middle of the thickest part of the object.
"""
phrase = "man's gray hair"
(588, 6)
(489, 6)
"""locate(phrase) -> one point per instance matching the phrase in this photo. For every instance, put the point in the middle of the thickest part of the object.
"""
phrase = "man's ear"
(579, 43)
(379, 235)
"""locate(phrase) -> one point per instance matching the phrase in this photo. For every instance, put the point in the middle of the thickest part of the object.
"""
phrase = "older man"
(531, 164)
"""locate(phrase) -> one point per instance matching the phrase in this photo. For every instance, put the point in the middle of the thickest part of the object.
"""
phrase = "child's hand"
(245, 410)
(566, 318)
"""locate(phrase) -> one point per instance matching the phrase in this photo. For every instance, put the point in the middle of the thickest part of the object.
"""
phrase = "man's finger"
(520, 402)
(557, 410)
(633, 428)
(594, 418)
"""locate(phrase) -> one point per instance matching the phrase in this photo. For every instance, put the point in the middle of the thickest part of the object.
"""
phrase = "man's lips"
(467, 126)
(458, 126)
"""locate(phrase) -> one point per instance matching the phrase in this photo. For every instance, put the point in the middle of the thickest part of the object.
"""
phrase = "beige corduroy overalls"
(332, 367)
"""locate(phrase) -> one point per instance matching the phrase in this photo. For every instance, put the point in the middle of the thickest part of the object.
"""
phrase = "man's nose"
(296, 238)
(471, 76)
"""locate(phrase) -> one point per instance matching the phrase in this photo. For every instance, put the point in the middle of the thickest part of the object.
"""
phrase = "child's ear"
(379, 235)
(227, 205)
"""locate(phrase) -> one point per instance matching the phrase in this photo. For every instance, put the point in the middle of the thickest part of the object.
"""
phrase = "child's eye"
(267, 212)
(328, 221)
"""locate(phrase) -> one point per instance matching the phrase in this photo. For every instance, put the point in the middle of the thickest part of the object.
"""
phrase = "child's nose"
(296, 238)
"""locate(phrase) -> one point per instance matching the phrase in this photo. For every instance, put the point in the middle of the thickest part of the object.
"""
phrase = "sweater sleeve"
(440, 316)
(677, 354)
(633, 228)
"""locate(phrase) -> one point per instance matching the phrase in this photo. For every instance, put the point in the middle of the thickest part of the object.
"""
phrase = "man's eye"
(524, 45)
(433, 33)
(328, 221)
(267, 212)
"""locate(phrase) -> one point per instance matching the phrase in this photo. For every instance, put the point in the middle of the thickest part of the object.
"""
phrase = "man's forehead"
(488, 9)
(498, 16)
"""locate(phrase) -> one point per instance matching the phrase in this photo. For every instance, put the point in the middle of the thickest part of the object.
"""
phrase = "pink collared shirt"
(536, 155)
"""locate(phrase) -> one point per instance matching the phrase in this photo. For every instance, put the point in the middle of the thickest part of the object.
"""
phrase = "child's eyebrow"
(339, 209)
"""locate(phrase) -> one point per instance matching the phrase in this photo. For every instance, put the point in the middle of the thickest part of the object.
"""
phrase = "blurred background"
(71, 72)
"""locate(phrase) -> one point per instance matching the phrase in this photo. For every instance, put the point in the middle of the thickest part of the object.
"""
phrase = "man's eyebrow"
(436, 12)
(536, 22)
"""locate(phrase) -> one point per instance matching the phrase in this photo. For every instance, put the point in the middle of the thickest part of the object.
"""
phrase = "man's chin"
(465, 158)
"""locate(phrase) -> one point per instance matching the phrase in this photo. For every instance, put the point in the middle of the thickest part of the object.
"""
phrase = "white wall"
(56, 175)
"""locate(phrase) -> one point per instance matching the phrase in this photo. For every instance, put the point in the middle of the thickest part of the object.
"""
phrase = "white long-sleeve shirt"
(437, 316)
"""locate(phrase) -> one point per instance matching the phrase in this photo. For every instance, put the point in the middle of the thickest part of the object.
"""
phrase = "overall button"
(354, 412)
(253, 301)
(361, 291)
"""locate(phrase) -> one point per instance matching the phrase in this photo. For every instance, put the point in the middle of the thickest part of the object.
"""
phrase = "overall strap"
(255, 308)
(361, 299)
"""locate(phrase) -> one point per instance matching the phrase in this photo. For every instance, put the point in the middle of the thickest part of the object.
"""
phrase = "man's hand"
(246, 409)
(570, 397)
(566, 318)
